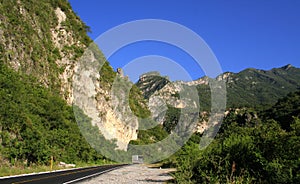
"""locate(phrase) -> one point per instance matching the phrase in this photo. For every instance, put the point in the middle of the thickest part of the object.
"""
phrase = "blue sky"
(242, 34)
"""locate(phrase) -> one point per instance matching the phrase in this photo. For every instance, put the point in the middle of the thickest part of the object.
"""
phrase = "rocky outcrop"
(249, 88)
(162, 94)
(63, 38)
(42, 39)
(46, 39)
(108, 107)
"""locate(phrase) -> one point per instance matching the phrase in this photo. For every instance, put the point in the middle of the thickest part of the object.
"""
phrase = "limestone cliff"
(107, 104)
(43, 39)
(46, 40)
(248, 88)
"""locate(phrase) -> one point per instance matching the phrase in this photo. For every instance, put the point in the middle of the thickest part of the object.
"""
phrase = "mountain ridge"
(285, 67)
(277, 82)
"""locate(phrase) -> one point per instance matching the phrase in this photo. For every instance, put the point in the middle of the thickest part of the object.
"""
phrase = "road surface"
(60, 177)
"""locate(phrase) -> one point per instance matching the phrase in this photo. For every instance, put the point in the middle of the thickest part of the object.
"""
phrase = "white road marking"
(89, 176)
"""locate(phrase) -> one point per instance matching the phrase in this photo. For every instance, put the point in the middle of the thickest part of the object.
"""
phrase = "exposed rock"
(120, 72)
(163, 93)
(47, 45)
(108, 108)
(158, 108)
(287, 67)
(62, 39)
(203, 80)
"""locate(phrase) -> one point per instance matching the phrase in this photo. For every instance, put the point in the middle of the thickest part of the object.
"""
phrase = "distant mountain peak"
(249, 87)
(224, 76)
(287, 67)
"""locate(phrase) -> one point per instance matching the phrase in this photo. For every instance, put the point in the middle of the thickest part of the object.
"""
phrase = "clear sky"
(242, 34)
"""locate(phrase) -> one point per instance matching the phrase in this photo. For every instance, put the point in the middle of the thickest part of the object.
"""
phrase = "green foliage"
(27, 27)
(252, 87)
(137, 103)
(150, 136)
(285, 110)
(246, 150)
(171, 118)
(107, 75)
(36, 124)
(204, 94)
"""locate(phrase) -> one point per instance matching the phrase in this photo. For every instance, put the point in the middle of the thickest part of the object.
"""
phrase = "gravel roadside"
(133, 174)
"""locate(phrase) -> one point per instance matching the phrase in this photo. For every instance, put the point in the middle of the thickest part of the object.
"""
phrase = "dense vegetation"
(36, 124)
(247, 149)
(26, 41)
(150, 136)
(253, 87)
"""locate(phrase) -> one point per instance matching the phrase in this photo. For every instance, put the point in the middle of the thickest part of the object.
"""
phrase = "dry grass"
(18, 168)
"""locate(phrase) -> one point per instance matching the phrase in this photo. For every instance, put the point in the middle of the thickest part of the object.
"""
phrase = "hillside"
(37, 124)
(43, 49)
(253, 87)
(248, 88)
(40, 43)
(61, 99)
(251, 147)
(43, 39)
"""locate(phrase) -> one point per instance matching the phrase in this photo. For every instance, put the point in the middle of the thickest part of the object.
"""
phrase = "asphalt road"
(61, 177)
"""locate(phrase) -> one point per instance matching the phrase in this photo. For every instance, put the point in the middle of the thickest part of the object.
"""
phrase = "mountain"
(48, 41)
(151, 82)
(253, 87)
(50, 90)
(248, 88)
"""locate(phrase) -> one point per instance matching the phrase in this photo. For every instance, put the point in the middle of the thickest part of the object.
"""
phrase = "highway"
(60, 177)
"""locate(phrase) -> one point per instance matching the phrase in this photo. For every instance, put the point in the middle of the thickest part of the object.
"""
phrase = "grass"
(19, 168)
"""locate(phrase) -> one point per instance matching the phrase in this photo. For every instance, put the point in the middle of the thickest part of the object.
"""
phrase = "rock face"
(250, 87)
(46, 39)
(63, 39)
(107, 106)
(43, 39)
(163, 94)
(120, 72)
